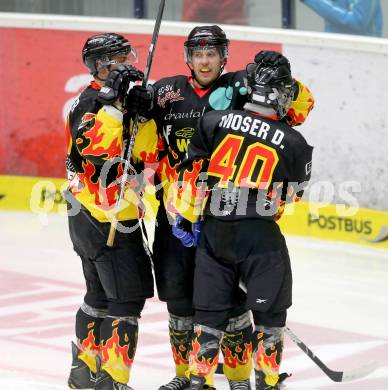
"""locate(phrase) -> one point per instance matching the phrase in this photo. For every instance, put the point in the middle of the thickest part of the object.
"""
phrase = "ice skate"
(177, 383)
(261, 385)
(105, 382)
(81, 377)
(240, 385)
(198, 383)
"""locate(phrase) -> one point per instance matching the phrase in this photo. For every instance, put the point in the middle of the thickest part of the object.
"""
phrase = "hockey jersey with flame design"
(178, 107)
(251, 166)
(96, 140)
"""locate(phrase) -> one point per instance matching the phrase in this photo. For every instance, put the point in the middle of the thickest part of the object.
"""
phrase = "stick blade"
(361, 372)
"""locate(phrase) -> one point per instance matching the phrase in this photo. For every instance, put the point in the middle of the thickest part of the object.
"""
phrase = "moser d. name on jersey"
(254, 126)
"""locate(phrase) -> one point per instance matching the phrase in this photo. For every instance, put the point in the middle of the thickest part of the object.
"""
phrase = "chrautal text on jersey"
(183, 115)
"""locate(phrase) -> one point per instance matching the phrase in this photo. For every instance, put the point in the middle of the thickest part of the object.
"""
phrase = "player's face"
(206, 66)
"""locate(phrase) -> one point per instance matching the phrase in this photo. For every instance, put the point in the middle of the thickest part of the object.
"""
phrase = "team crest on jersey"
(170, 96)
(186, 132)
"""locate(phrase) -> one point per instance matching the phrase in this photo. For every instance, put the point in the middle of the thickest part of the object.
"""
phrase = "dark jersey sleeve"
(82, 116)
(97, 131)
(301, 170)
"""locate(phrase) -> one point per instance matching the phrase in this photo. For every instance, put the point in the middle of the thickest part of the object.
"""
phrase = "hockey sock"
(87, 330)
(236, 348)
(180, 331)
(118, 346)
(267, 353)
(205, 347)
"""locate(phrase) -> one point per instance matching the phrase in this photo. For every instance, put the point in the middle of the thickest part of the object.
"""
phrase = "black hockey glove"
(117, 83)
(272, 58)
(139, 100)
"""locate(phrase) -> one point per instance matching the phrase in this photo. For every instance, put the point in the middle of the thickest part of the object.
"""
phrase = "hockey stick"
(336, 376)
(113, 225)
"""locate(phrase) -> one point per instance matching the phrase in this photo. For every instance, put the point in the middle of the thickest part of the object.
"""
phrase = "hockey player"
(179, 101)
(254, 163)
(118, 279)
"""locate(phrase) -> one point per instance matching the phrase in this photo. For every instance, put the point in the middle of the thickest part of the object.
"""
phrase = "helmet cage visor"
(263, 89)
(128, 56)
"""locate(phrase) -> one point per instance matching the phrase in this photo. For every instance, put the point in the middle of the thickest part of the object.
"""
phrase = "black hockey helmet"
(204, 38)
(102, 47)
(270, 86)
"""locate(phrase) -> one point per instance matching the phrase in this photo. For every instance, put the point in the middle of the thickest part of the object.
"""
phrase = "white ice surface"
(340, 311)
